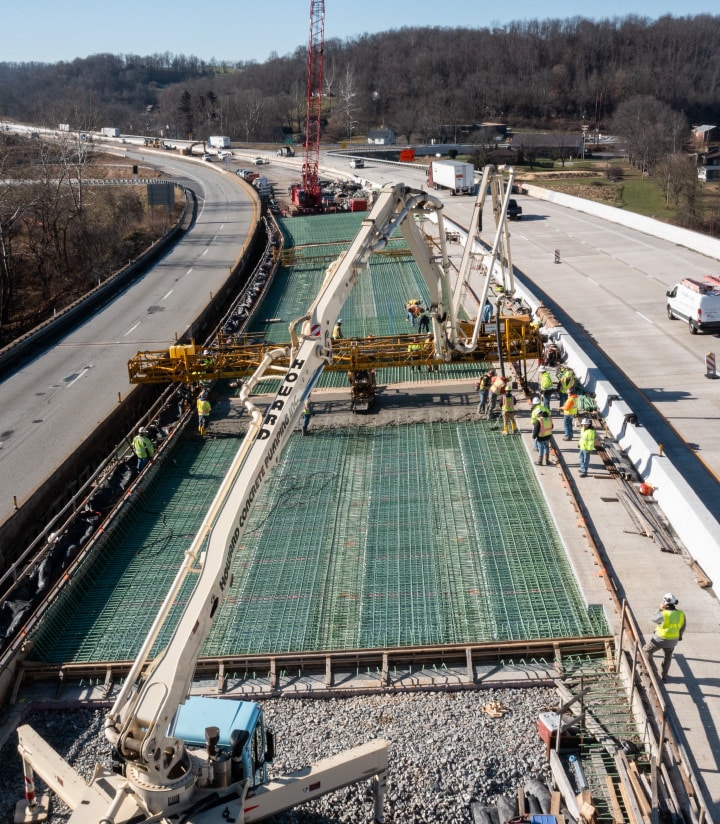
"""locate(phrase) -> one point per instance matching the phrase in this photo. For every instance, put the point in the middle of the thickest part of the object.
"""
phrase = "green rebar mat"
(363, 537)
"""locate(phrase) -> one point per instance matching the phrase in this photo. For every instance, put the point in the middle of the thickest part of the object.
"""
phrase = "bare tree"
(649, 129)
(251, 114)
(348, 92)
(677, 174)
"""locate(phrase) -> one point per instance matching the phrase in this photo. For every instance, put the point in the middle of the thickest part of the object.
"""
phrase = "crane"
(307, 196)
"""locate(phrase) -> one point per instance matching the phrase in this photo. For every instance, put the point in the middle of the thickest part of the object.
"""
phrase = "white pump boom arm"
(138, 722)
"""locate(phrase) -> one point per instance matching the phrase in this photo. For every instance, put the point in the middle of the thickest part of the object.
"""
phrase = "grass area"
(645, 197)
(589, 179)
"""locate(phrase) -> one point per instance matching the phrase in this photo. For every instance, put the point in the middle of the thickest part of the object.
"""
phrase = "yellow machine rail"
(519, 340)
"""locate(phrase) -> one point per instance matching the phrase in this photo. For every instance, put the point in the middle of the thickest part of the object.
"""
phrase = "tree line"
(59, 234)
(424, 83)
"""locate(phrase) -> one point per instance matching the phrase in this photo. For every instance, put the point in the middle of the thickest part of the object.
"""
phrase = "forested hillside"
(421, 82)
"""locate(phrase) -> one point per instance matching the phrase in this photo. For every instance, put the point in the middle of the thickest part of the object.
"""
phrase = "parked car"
(207, 157)
(259, 161)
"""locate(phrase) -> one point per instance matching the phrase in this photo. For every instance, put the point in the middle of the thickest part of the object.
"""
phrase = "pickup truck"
(514, 211)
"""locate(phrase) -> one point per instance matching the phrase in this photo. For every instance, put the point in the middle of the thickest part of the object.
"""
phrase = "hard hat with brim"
(669, 598)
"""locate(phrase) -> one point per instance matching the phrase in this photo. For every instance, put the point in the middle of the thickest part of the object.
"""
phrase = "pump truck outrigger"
(162, 769)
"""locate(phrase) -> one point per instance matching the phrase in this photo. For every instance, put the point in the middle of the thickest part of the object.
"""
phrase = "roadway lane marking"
(189, 270)
(131, 329)
(204, 252)
(652, 323)
(75, 380)
(166, 295)
(222, 226)
(593, 281)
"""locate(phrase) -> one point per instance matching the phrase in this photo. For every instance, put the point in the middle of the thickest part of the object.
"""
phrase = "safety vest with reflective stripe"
(570, 406)
(498, 385)
(587, 439)
(673, 621)
(546, 427)
(567, 381)
(143, 447)
(536, 410)
(546, 381)
(508, 403)
(203, 408)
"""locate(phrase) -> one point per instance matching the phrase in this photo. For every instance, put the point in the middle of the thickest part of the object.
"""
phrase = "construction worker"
(566, 381)
(546, 386)
(586, 444)
(670, 626)
(203, 410)
(483, 387)
(337, 332)
(497, 388)
(143, 448)
(424, 324)
(306, 415)
(508, 414)
(569, 410)
(542, 432)
(537, 407)
(414, 349)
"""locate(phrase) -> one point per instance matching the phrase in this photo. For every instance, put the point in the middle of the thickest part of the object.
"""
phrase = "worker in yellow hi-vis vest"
(669, 628)
(203, 410)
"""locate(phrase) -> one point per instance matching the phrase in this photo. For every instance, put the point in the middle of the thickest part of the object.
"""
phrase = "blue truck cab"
(241, 733)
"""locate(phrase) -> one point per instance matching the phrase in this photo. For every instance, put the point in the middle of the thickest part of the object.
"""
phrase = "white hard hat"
(536, 399)
(339, 320)
(142, 430)
(669, 598)
(586, 421)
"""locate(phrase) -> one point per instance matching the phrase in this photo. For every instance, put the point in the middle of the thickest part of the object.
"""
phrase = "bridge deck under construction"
(365, 537)
(423, 534)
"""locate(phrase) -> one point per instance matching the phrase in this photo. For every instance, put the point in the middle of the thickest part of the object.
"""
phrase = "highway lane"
(49, 406)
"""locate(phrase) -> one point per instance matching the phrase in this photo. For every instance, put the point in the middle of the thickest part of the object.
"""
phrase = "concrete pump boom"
(161, 774)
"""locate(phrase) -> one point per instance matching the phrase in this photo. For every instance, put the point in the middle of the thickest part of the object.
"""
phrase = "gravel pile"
(445, 751)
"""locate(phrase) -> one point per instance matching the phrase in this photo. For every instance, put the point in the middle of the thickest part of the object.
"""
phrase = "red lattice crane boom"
(308, 196)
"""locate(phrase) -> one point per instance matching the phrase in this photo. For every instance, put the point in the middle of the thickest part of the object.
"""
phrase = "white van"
(697, 302)
(357, 163)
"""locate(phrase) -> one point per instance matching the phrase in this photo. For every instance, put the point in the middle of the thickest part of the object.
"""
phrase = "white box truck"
(110, 131)
(218, 141)
(458, 177)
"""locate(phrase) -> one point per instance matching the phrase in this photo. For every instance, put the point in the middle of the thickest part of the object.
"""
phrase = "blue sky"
(49, 31)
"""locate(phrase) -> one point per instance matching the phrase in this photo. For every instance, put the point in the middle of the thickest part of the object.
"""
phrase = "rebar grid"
(362, 537)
